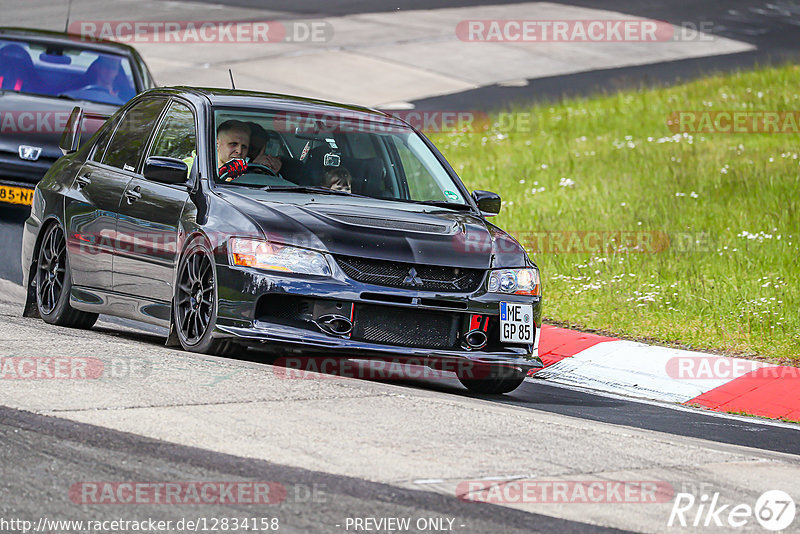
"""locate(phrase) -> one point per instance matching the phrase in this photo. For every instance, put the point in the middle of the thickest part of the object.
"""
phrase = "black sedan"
(42, 74)
(299, 226)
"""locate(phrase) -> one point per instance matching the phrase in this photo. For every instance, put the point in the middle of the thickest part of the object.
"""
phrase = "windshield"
(65, 71)
(342, 154)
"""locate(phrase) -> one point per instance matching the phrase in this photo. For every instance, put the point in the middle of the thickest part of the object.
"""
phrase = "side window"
(177, 137)
(126, 147)
(99, 147)
(421, 184)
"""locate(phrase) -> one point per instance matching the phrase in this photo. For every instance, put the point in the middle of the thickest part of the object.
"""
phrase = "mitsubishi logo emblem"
(412, 279)
(31, 153)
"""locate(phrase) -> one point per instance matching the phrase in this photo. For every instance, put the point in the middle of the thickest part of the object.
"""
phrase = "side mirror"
(71, 138)
(488, 202)
(166, 170)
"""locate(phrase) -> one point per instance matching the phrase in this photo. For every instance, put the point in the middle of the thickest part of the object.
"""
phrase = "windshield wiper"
(307, 189)
(444, 204)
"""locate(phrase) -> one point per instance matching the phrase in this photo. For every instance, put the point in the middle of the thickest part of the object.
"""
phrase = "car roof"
(257, 99)
(51, 37)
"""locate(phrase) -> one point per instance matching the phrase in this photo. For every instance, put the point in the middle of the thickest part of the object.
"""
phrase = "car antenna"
(69, 10)
(230, 73)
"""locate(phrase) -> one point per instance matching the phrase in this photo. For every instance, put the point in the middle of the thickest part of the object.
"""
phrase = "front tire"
(497, 380)
(194, 307)
(54, 283)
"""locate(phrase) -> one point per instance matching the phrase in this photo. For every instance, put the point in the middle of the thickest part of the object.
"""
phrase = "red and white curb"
(692, 378)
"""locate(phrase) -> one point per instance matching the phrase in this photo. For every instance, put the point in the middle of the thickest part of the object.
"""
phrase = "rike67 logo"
(774, 510)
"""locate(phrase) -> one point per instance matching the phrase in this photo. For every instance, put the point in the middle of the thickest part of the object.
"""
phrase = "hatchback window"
(130, 139)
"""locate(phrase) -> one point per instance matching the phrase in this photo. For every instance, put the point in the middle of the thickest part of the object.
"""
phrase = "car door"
(90, 216)
(94, 199)
(150, 213)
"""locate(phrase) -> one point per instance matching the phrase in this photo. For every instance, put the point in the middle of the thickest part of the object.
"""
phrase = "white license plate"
(516, 323)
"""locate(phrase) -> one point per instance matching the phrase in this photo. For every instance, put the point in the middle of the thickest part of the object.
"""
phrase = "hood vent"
(389, 224)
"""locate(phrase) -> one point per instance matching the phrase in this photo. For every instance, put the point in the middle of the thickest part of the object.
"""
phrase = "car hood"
(380, 229)
(39, 121)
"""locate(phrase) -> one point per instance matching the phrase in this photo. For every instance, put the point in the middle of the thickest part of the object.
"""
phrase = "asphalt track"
(43, 456)
(774, 27)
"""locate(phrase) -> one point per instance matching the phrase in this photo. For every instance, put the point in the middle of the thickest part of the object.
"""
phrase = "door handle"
(132, 195)
(83, 181)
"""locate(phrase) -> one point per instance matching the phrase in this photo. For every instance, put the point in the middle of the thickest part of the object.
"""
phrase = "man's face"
(231, 144)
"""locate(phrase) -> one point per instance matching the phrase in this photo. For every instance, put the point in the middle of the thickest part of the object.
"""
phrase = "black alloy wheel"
(54, 282)
(194, 305)
(195, 297)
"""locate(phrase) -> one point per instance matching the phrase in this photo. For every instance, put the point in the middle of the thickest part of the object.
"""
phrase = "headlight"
(272, 257)
(515, 282)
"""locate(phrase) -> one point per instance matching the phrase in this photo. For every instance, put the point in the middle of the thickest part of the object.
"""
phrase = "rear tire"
(194, 307)
(498, 380)
(54, 283)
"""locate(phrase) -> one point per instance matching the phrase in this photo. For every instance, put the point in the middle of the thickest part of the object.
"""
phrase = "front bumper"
(241, 314)
(301, 341)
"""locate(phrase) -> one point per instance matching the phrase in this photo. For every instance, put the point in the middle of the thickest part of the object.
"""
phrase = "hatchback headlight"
(515, 282)
(272, 257)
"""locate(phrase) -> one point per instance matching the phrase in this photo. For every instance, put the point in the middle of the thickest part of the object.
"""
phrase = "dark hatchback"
(42, 75)
(140, 223)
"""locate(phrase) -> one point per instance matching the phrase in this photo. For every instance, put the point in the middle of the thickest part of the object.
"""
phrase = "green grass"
(611, 164)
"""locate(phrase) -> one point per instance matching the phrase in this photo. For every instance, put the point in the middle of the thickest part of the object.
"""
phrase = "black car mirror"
(166, 170)
(71, 137)
(488, 202)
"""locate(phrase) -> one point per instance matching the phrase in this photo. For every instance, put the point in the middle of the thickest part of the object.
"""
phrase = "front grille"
(405, 327)
(409, 275)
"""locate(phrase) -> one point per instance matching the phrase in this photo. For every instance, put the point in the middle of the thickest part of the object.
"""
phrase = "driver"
(103, 73)
(233, 140)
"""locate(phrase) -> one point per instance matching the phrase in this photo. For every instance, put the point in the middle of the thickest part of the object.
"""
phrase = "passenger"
(258, 145)
(338, 179)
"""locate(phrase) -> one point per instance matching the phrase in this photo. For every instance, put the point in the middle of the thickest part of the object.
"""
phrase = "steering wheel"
(256, 167)
(262, 168)
(94, 87)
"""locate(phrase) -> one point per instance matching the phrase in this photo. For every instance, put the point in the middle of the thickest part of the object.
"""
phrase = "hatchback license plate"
(16, 195)
(516, 323)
